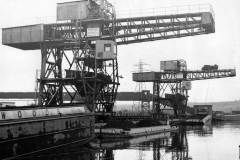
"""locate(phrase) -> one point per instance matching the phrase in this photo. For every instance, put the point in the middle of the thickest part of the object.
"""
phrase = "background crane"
(170, 87)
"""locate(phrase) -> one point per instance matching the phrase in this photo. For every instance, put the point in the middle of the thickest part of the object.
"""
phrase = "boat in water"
(231, 117)
(221, 116)
(26, 130)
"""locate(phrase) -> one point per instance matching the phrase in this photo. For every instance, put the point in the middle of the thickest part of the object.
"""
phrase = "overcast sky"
(17, 67)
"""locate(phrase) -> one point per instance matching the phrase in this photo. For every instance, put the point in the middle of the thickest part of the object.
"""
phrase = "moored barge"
(25, 130)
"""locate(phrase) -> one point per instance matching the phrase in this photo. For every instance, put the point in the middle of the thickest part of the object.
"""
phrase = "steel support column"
(169, 95)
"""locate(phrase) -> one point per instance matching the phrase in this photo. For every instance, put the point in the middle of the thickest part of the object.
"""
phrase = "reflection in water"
(68, 153)
(221, 144)
(180, 145)
(164, 146)
(205, 130)
(218, 142)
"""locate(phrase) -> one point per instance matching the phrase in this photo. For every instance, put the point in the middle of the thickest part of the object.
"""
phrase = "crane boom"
(124, 30)
(174, 77)
(142, 29)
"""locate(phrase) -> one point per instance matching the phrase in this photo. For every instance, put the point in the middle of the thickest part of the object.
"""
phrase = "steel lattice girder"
(140, 29)
(171, 95)
(82, 84)
(123, 30)
(171, 77)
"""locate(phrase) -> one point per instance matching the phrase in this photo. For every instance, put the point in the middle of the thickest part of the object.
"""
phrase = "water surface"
(211, 142)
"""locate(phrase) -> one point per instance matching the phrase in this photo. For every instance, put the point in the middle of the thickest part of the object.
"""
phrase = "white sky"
(17, 67)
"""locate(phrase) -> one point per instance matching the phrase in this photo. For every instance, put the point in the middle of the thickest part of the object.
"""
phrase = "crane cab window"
(107, 47)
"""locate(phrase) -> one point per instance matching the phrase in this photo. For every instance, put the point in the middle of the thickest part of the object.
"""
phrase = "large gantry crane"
(171, 85)
(86, 36)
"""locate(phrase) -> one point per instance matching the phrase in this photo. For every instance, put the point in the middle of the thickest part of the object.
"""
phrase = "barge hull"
(232, 117)
(23, 136)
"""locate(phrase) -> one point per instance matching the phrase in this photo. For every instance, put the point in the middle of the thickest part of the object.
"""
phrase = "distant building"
(202, 109)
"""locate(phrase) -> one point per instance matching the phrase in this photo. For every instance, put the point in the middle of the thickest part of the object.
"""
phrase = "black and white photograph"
(119, 80)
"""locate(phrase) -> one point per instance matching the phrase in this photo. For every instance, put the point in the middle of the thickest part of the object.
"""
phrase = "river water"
(210, 142)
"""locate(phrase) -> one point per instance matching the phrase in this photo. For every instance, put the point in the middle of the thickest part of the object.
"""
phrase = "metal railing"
(172, 10)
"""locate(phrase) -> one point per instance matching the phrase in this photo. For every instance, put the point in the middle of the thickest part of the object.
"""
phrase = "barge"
(27, 130)
(194, 120)
(109, 143)
(220, 116)
(231, 117)
(133, 132)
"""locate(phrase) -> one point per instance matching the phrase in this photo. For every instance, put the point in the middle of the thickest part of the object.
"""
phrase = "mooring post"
(239, 152)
